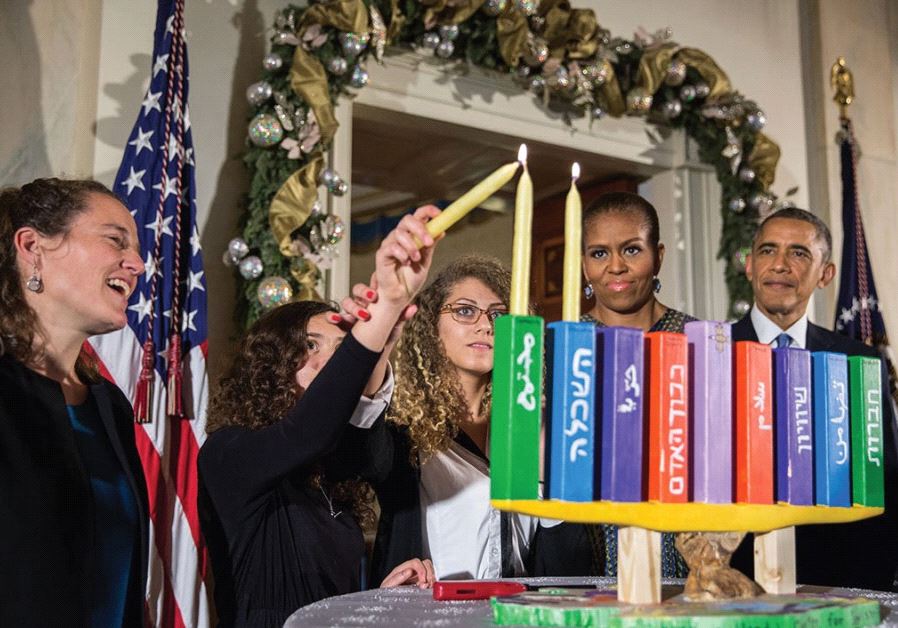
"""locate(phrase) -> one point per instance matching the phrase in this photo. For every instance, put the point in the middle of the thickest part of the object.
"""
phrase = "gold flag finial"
(842, 82)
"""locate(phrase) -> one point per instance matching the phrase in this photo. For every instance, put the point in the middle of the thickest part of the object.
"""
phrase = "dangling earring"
(34, 282)
(588, 291)
(656, 285)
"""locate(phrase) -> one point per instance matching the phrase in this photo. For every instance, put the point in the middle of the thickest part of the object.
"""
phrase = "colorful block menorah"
(677, 432)
(623, 407)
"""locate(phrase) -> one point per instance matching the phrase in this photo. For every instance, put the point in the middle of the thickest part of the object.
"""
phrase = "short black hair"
(821, 231)
(625, 203)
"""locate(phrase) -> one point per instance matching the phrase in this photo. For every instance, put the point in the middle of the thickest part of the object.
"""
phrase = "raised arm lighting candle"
(471, 199)
(520, 255)
(570, 304)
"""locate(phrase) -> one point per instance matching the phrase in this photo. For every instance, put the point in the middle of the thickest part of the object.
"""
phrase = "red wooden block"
(753, 379)
(667, 357)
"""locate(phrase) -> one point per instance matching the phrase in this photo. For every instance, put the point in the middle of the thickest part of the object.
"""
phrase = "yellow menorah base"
(690, 517)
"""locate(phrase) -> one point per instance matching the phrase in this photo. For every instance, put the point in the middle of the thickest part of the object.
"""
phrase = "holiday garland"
(560, 54)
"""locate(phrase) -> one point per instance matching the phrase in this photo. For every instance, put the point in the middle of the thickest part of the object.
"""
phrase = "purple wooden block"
(711, 405)
(793, 426)
(620, 399)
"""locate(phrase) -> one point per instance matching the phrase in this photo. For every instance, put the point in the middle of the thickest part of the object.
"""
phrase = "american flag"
(858, 314)
(159, 358)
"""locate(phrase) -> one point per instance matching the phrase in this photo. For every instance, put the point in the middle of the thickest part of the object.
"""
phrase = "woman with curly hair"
(433, 447)
(74, 527)
(281, 502)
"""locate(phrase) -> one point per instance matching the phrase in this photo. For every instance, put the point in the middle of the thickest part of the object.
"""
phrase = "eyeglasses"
(468, 314)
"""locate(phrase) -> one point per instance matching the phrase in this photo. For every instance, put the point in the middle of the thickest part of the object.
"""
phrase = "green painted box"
(867, 461)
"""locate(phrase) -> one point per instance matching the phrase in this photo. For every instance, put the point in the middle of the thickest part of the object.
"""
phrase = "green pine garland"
(478, 43)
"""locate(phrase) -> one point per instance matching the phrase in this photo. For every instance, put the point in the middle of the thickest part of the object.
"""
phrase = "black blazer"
(860, 554)
(46, 509)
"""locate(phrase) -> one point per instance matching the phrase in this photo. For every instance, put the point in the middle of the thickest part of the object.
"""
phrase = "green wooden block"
(865, 385)
(516, 407)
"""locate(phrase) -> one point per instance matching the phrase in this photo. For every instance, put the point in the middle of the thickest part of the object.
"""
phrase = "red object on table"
(475, 589)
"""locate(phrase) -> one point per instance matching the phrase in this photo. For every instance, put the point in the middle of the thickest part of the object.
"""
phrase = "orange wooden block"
(753, 382)
(667, 359)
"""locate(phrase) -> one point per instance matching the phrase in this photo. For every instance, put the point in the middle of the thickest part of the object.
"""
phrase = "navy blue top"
(115, 525)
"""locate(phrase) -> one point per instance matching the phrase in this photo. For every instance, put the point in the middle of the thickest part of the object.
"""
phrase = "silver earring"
(588, 291)
(34, 282)
(656, 285)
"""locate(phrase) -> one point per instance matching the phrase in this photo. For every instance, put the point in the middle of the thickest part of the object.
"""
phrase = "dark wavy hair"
(49, 206)
(260, 387)
(428, 400)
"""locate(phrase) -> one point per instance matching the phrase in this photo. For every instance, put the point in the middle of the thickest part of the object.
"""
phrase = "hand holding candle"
(520, 252)
(570, 304)
(471, 199)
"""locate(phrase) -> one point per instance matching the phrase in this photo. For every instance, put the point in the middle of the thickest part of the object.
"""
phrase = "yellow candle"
(471, 199)
(520, 251)
(570, 303)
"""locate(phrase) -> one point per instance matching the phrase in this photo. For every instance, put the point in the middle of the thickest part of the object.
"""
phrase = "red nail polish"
(370, 294)
(334, 318)
(364, 315)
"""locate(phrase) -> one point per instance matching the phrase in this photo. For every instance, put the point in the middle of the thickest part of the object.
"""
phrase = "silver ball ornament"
(756, 120)
(430, 40)
(736, 205)
(760, 202)
(251, 267)
(687, 93)
(228, 260)
(359, 77)
(494, 7)
(449, 32)
(746, 175)
(274, 291)
(740, 258)
(671, 109)
(445, 49)
(328, 177)
(702, 90)
(265, 130)
(340, 189)
(272, 62)
(676, 73)
(238, 248)
(258, 93)
(337, 66)
(741, 308)
(527, 7)
(639, 100)
(537, 84)
(351, 44)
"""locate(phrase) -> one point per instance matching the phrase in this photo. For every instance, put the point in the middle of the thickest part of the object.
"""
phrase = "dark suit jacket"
(46, 508)
(861, 554)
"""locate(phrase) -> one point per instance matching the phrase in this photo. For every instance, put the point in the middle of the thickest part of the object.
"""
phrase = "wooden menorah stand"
(639, 565)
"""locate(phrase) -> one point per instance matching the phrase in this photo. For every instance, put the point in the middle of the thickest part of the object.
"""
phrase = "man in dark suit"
(790, 258)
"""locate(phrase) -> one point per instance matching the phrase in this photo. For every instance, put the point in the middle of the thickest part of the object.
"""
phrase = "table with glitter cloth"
(410, 606)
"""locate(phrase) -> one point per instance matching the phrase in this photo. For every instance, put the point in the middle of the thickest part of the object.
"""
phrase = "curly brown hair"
(427, 399)
(259, 388)
(49, 206)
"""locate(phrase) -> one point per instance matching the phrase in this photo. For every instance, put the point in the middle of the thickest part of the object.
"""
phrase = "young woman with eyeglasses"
(433, 445)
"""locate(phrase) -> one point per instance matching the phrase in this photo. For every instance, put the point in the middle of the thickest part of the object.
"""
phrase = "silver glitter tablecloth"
(410, 606)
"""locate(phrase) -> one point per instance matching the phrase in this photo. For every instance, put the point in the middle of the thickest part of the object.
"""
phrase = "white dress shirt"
(369, 408)
(461, 530)
(767, 330)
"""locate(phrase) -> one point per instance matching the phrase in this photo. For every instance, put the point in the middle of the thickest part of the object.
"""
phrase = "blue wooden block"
(832, 430)
(572, 426)
(621, 395)
(793, 426)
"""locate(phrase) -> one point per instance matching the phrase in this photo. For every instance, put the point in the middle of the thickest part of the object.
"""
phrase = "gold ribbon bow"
(571, 32)
(717, 80)
(653, 66)
(292, 205)
(763, 159)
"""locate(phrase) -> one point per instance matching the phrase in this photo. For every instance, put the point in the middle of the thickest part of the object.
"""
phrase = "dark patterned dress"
(604, 537)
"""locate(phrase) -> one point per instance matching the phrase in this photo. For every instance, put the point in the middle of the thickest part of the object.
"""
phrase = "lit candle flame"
(522, 154)
(575, 171)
